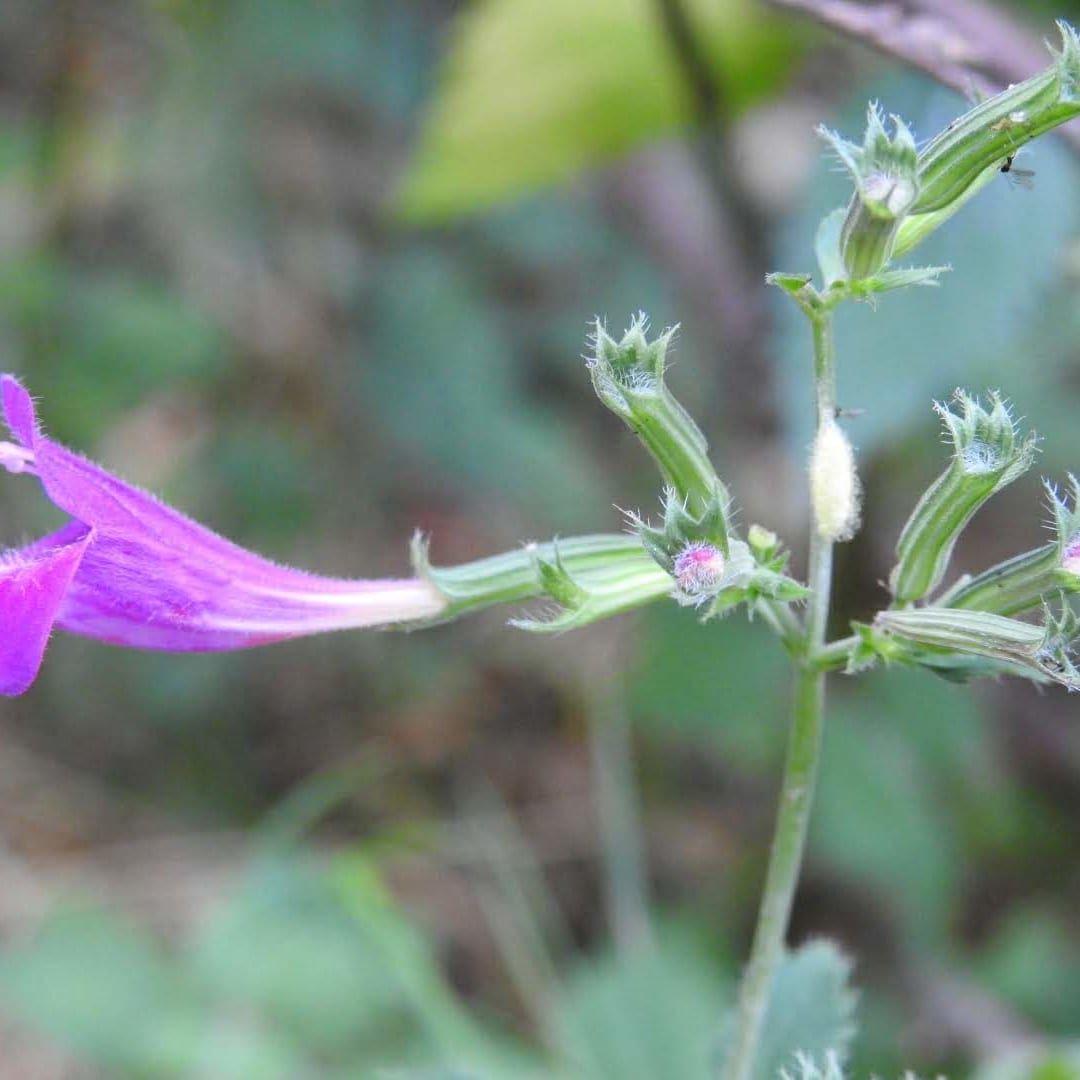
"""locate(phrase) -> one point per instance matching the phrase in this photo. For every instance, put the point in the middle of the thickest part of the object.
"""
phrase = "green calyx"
(834, 274)
(916, 227)
(592, 562)
(584, 597)
(980, 141)
(628, 376)
(682, 527)
(739, 571)
(965, 644)
(988, 454)
(884, 169)
(902, 195)
(1026, 581)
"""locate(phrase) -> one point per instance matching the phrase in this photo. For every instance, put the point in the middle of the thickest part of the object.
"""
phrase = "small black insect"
(1021, 177)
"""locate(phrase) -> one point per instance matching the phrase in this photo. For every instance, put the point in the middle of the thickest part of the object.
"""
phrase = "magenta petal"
(165, 544)
(18, 410)
(151, 578)
(33, 584)
(131, 590)
(85, 490)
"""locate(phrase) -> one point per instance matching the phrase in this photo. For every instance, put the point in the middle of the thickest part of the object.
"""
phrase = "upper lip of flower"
(130, 570)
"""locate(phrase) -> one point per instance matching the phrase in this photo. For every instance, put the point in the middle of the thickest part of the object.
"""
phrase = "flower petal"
(137, 592)
(153, 578)
(33, 584)
(90, 494)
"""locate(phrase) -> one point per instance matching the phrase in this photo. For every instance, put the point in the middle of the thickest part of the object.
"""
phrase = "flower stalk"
(803, 750)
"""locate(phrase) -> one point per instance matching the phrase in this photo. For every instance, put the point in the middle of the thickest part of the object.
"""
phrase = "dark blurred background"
(321, 273)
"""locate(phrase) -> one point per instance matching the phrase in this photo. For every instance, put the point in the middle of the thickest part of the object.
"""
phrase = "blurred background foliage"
(320, 273)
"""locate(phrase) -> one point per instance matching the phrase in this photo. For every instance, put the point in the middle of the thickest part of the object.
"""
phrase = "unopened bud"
(940, 638)
(628, 376)
(708, 564)
(1070, 559)
(884, 170)
(988, 454)
(682, 530)
(698, 570)
(995, 129)
(835, 491)
(1033, 578)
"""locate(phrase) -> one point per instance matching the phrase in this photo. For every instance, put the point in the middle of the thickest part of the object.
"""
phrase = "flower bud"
(681, 528)
(988, 454)
(764, 543)
(834, 484)
(886, 186)
(968, 643)
(983, 138)
(1070, 563)
(698, 571)
(706, 563)
(1026, 581)
(628, 376)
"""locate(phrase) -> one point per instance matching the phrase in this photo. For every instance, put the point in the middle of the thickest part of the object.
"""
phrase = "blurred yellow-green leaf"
(532, 93)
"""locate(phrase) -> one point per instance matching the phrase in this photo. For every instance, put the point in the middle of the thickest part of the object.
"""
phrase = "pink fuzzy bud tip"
(1070, 563)
(698, 568)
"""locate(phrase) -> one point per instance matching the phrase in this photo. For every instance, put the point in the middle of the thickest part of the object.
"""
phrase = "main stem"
(801, 764)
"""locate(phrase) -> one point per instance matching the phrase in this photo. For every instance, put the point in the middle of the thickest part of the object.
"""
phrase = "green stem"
(801, 765)
(836, 653)
(784, 623)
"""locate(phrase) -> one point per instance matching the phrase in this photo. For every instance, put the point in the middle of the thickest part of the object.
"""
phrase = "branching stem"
(803, 753)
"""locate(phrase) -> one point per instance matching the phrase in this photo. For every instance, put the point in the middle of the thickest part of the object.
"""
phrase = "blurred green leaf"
(109, 339)
(289, 948)
(105, 990)
(368, 53)
(1033, 962)
(811, 1011)
(880, 815)
(266, 467)
(440, 350)
(118, 338)
(1042, 1063)
(327, 958)
(645, 1015)
(438, 1072)
(532, 93)
(725, 681)
(29, 286)
(20, 147)
(309, 960)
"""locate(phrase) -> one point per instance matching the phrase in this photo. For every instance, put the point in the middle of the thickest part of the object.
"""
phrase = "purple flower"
(131, 571)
